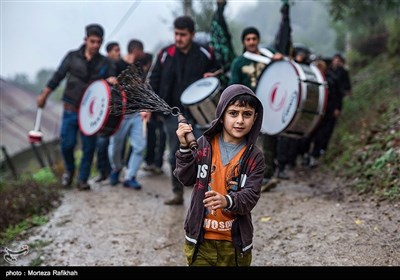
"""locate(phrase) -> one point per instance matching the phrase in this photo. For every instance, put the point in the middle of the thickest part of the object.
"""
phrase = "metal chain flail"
(139, 94)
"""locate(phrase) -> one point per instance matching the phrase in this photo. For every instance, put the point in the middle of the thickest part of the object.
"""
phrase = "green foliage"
(36, 262)
(365, 147)
(204, 14)
(386, 158)
(366, 11)
(393, 44)
(11, 232)
(45, 176)
(26, 199)
(14, 230)
(367, 27)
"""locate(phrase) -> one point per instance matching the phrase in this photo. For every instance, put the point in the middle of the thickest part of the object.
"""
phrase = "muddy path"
(312, 220)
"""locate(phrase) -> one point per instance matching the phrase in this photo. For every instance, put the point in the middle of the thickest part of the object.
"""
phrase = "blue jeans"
(156, 140)
(132, 126)
(103, 164)
(69, 132)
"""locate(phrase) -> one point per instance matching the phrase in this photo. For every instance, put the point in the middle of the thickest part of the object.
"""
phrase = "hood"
(226, 96)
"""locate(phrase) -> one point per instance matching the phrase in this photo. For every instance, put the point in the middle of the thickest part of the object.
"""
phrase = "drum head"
(199, 90)
(278, 91)
(95, 107)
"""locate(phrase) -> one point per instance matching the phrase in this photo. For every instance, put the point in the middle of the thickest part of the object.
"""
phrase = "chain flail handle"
(190, 138)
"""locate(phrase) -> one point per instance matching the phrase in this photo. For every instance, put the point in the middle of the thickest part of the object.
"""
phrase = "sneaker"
(66, 179)
(283, 175)
(83, 186)
(177, 199)
(132, 183)
(114, 178)
(268, 184)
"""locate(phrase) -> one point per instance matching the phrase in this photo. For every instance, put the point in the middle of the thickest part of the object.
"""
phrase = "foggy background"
(36, 35)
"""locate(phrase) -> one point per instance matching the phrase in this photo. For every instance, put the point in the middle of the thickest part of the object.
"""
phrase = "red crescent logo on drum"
(91, 107)
(275, 103)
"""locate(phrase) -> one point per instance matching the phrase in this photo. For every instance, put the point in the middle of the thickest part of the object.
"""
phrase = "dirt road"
(311, 221)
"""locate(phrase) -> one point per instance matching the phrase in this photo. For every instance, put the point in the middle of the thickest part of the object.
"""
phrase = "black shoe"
(66, 179)
(282, 175)
(83, 186)
(101, 178)
(268, 184)
(177, 199)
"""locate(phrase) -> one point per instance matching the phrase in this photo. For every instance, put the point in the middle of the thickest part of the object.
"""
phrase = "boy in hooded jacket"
(226, 172)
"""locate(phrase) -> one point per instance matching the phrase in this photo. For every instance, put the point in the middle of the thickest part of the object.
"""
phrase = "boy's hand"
(183, 128)
(214, 200)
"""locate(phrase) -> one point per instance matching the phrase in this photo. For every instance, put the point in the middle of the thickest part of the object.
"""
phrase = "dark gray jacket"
(251, 175)
(81, 73)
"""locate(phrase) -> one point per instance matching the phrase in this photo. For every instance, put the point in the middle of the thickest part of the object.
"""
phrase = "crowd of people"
(232, 177)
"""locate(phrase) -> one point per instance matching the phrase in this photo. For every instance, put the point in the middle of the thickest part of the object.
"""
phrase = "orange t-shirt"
(218, 223)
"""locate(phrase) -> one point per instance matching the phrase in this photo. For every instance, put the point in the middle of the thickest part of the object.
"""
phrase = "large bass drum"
(294, 97)
(201, 99)
(101, 109)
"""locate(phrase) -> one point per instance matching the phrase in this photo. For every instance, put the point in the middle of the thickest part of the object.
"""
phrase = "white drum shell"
(201, 99)
(294, 97)
(96, 114)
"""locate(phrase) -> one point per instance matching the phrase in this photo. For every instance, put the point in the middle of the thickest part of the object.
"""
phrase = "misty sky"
(38, 34)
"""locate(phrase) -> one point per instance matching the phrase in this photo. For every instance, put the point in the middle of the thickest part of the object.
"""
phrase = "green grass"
(25, 203)
(365, 147)
(14, 230)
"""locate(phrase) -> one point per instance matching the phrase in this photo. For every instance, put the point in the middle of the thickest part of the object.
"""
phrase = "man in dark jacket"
(227, 171)
(248, 72)
(324, 131)
(82, 66)
(177, 67)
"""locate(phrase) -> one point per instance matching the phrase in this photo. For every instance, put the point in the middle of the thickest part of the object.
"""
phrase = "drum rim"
(120, 117)
(291, 64)
(108, 92)
(302, 76)
(215, 91)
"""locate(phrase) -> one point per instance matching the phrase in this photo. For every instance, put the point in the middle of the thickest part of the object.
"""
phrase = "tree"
(364, 26)
(202, 13)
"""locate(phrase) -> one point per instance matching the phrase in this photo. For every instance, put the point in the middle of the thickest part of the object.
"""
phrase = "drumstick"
(257, 57)
(266, 58)
(266, 52)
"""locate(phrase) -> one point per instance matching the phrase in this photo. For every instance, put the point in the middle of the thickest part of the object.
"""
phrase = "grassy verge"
(24, 203)
(365, 147)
